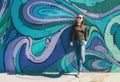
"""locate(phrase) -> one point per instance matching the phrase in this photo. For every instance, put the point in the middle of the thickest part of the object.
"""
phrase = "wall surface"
(34, 35)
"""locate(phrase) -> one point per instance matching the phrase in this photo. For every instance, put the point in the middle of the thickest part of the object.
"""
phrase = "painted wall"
(34, 35)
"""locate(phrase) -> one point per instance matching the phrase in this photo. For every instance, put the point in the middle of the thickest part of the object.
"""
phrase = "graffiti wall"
(34, 35)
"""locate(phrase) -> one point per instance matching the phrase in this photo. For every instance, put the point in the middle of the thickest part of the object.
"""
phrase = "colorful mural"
(34, 35)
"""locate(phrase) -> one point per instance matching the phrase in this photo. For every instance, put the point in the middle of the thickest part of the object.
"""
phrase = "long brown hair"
(83, 19)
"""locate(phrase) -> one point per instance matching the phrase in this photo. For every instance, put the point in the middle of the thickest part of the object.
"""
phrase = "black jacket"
(74, 34)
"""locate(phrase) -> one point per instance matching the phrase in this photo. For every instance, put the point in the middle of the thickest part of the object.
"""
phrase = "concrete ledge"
(68, 77)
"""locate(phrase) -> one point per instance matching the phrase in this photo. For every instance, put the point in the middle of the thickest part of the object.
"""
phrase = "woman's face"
(80, 18)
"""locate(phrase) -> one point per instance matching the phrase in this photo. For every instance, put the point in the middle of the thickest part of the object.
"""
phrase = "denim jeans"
(80, 51)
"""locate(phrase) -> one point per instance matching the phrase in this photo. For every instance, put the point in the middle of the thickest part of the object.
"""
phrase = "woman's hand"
(85, 42)
(71, 43)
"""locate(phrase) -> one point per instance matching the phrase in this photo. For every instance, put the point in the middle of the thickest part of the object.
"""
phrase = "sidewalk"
(83, 77)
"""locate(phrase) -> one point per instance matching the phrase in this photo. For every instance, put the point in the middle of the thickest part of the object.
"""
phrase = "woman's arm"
(72, 35)
(86, 34)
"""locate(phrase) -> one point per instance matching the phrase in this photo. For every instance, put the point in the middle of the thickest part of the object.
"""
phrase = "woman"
(78, 39)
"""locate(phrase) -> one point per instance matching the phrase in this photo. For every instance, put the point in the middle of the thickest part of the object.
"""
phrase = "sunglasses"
(79, 17)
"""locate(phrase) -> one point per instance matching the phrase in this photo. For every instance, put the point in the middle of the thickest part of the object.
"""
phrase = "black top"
(75, 35)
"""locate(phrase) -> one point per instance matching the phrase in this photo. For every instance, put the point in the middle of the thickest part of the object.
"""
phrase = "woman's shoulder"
(74, 25)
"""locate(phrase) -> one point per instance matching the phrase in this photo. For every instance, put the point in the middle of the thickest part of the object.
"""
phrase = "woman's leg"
(78, 54)
(83, 50)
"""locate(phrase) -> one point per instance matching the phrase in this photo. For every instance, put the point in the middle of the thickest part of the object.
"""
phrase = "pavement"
(82, 77)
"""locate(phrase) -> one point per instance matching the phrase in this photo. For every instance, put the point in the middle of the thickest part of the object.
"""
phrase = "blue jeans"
(80, 51)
